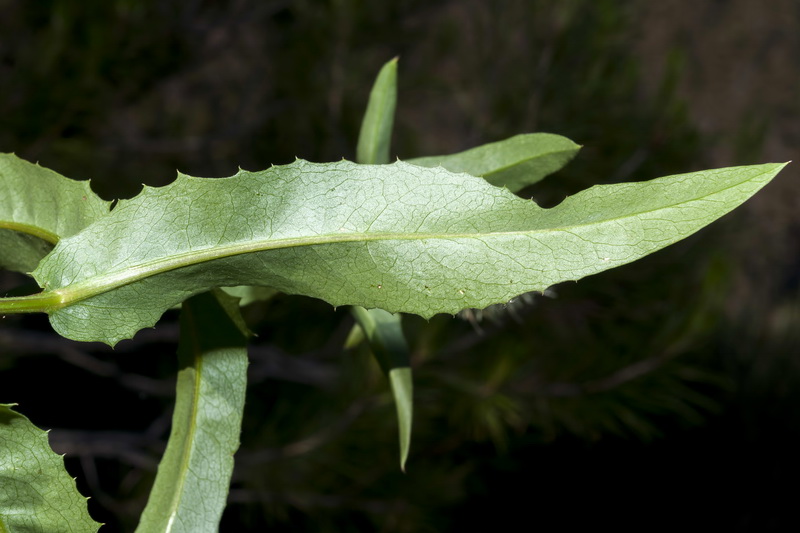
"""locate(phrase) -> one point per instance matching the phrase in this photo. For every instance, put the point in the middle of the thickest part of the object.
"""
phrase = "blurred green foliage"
(126, 91)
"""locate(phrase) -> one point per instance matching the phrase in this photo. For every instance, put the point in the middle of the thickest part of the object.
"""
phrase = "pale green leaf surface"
(513, 163)
(375, 137)
(193, 477)
(37, 494)
(397, 237)
(21, 252)
(37, 208)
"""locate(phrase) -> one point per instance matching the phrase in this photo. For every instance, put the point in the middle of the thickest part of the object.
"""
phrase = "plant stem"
(35, 303)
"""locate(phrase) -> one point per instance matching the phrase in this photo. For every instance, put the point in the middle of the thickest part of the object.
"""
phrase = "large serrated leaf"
(37, 208)
(37, 494)
(513, 163)
(398, 237)
(193, 477)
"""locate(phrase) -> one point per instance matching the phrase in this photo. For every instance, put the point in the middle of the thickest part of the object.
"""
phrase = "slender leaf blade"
(513, 163)
(248, 294)
(37, 208)
(37, 494)
(398, 237)
(384, 333)
(193, 477)
(401, 383)
(375, 137)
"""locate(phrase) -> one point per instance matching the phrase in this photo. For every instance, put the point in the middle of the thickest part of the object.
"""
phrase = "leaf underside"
(37, 494)
(398, 237)
(37, 208)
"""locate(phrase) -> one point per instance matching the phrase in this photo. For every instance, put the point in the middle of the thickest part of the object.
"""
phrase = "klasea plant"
(425, 236)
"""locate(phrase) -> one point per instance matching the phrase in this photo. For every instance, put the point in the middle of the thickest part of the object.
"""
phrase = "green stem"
(42, 302)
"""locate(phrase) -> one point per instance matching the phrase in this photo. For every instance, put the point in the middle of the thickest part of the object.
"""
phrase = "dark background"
(660, 393)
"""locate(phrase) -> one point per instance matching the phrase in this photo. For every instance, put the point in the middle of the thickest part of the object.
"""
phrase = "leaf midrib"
(30, 229)
(95, 285)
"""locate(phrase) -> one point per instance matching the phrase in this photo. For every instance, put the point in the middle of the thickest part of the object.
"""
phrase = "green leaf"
(355, 337)
(397, 237)
(37, 208)
(513, 163)
(385, 335)
(37, 493)
(193, 478)
(401, 383)
(384, 331)
(21, 252)
(376, 128)
(248, 294)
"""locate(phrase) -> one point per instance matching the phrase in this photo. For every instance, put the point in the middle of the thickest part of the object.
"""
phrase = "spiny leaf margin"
(398, 237)
(38, 207)
(37, 494)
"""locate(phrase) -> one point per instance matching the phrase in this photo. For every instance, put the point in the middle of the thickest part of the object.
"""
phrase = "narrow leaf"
(376, 128)
(397, 237)
(193, 478)
(355, 337)
(248, 294)
(385, 335)
(401, 382)
(37, 493)
(513, 163)
(383, 330)
(37, 208)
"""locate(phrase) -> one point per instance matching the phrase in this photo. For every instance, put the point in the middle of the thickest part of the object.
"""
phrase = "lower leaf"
(397, 237)
(37, 494)
(193, 477)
